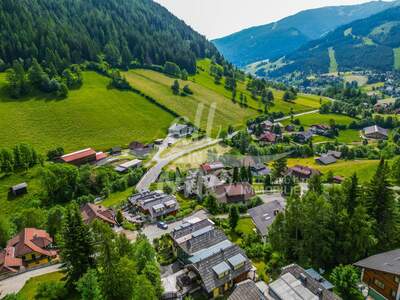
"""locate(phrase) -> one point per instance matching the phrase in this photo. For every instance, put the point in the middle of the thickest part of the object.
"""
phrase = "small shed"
(116, 150)
(19, 189)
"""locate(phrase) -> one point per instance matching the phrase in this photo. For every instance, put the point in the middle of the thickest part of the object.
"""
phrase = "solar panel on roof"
(204, 253)
(202, 231)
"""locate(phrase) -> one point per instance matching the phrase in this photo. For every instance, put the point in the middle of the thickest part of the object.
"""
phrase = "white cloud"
(217, 18)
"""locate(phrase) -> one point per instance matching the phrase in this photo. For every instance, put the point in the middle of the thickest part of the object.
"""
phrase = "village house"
(264, 215)
(302, 137)
(335, 154)
(117, 150)
(210, 260)
(306, 284)
(19, 189)
(326, 159)
(91, 212)
(233, 192)
(268, 137)
(260, 170)
(156, 204)
(302, 173)
(247, 290)
(9, 264)
(139, 149)
(82, 157)
(208, 168)
(196, 184)
(375, 132)
(33, 246)
(125, 167)
(320, 129)
(381, 273)
(180, 130)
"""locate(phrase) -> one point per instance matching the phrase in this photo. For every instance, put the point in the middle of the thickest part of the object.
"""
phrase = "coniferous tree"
(233, 217)
(351, 191)
(279, 167)
(76, 246)
(383, 209)
(315, 184)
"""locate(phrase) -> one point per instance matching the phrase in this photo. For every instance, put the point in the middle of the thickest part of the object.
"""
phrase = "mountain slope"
(369, 43)
(61, 32)
(278, 39)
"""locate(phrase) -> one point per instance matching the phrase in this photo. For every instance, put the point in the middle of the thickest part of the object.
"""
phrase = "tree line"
(61, 33)
(21, 157)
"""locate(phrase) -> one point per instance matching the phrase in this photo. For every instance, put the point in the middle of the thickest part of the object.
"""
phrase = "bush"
(51, 291)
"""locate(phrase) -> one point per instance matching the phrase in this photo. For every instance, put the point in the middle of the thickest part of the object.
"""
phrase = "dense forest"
(363, 44)
(59, 33)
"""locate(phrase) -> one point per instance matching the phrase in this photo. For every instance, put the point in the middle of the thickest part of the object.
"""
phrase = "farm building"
(19, 189)
(326, 160)
(376, 132)
(209, 168)
(125, 167)
(82, 157)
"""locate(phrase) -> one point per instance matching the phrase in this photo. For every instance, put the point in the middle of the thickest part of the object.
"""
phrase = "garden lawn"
(345, 136)
(116, 199)
(365, 169)
(92, 116)
(205, 108)
(29, 290)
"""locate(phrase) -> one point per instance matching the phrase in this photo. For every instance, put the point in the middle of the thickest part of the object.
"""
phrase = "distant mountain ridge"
(372, 43)
(280, 38)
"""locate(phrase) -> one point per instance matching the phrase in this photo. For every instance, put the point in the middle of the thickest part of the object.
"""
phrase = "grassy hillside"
(195, 107)
(333, 67)
(397, 58)
(208, 94)
(92, 116)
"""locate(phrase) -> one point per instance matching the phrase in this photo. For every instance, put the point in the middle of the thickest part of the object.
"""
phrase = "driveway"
(16, 283)
(152, 231)
(297, 115)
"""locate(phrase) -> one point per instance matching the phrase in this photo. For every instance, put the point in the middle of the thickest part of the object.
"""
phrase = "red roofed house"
(208, 168)
(302, 173)
(234, 192)
(33, 246)
(268, 137)
(8, 262)
(91, 212)
(80, 157)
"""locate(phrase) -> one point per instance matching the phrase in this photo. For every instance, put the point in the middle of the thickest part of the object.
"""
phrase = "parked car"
(162, 225)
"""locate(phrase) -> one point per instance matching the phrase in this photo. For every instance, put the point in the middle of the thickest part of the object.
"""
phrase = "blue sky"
(217, 18)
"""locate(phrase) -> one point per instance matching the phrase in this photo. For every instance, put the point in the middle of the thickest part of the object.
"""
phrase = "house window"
(393, 293)
(222, 275)
(239, 266)
(397, 279)
(379, 284)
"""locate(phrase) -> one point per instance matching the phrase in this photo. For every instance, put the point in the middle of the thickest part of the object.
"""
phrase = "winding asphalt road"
(154, 172)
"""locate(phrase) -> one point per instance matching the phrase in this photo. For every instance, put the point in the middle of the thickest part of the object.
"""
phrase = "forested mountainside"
(277, 39)
(371, 43)
(61, 32)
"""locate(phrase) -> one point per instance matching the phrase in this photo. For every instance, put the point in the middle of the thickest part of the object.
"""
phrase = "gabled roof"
(32, 240)
(375, 129)
(208, 267)
(246, 290)
(303, 170)
(388, 262)
(20, 186)
(8, 260)
(326, 159)
(210, 167)
(149, 201)
(91, 211)
(264, 215)
(78, 155)
(189, 226)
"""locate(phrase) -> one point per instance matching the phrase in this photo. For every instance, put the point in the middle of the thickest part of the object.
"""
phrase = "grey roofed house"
(189, 226)
(375, 132)
(295, 283)
(200, 239)
(246, 290)
(180, 130)
(326, 160)
(304, 136)
(316, 276)
(264, 215)
(335, 154)
(156, 203)
(221, 267)
(388, 262)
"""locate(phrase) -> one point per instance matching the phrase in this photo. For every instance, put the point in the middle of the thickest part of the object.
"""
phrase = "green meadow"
(92, 116)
